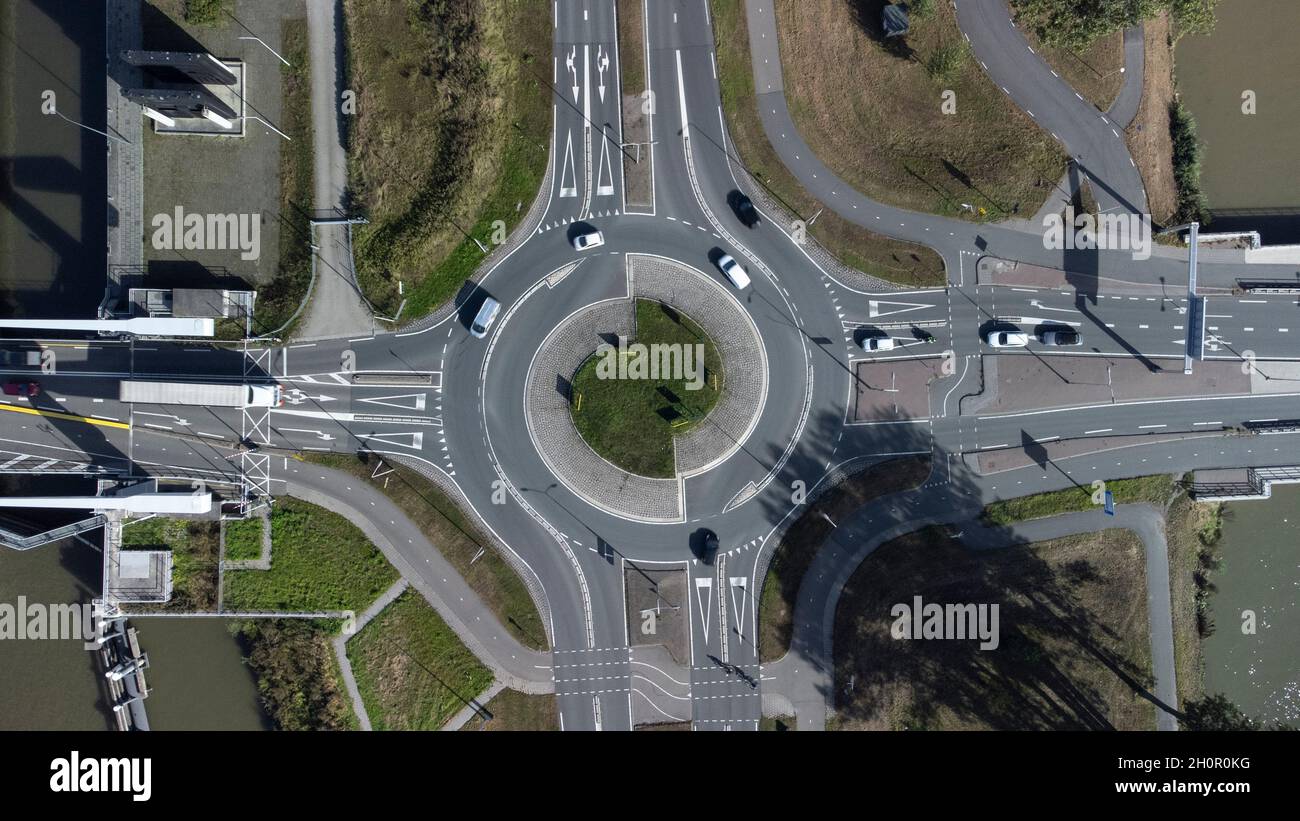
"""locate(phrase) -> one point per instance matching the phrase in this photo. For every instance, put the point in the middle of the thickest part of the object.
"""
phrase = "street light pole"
(265, 123)
(268, 48)
(61, 116)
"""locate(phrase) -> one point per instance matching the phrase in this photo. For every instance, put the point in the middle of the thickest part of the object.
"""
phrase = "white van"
(486, 316)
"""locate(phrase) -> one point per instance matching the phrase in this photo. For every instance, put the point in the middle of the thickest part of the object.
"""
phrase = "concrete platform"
(893, 390)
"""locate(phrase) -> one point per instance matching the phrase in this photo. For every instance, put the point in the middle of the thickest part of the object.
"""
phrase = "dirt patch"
(1148, 135)
(1073, 649)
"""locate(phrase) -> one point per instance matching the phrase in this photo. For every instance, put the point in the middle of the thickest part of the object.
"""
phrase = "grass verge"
(1073, 646)
(631, 45)
(277, 301)
(632, 421)
(876, 115)
(451, 136)
(1154, 490)
(319, 561)
(244, 539)
(1192, 530)
(456, 537)
(806, 535)
(411, 669)
(1192, 204)
(194, 560)
(513, 710)
(902, 262)
(1092, 70)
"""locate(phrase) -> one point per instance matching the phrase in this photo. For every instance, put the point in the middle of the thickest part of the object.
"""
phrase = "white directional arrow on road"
(320, 434)
(182, 422)
(704, 598)
(873, 307)
(602, 63)
(568, 62)
(297, 397)
(1038, 320)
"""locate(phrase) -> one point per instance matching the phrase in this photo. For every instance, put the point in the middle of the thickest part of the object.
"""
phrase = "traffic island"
(631, 400)
(692, 305)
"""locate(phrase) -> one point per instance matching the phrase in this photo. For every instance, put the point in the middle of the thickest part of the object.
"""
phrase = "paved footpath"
(421, 564)
(336, 306)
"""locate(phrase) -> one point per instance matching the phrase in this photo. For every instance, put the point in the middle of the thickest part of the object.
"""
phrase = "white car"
(591, 239)
(1007, 339)
(877, 343)
(734, 272)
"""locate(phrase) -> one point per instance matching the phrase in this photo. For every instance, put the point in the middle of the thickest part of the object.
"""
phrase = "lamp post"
(268, 48)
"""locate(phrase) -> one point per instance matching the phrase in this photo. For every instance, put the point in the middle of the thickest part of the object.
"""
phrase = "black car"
(708, 546)
(1061, 338)
(744, 208)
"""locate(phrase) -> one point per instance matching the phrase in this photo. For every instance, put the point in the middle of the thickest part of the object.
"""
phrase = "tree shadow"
(1043, 673)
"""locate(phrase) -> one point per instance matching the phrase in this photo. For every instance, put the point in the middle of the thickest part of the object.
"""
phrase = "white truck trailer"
(201, 393)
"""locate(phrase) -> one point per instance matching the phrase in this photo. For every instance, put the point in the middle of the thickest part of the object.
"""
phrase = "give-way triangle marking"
(604, 172)
(738, 583)
(395, 401)
(567, 172)
(903, 307)
(704, 598)
(416, 441)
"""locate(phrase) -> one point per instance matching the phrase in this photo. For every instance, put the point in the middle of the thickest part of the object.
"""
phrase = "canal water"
(48, 684)
(1249, 161)
(197, 675)
(1261, 573)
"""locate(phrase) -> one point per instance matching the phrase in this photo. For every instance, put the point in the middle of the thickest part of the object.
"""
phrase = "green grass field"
(451, 135)
(457, 538)
(412, 670)
(514, 711)
(632, 422)
(194, 559)
(1151, 489)
(244, 539)
(319, 561)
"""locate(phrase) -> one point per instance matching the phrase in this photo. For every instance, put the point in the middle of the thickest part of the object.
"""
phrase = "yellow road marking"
(103, 423)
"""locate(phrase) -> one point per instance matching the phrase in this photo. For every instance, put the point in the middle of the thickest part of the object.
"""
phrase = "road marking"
(704, 600)
(72, 417)
(873, 307)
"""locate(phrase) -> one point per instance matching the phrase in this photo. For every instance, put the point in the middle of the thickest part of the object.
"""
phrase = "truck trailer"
(202, 393)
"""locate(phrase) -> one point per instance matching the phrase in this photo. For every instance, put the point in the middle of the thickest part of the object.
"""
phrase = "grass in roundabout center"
(628, 405)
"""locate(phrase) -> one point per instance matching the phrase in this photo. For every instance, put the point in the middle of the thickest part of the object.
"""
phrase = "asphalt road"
(436, 394)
